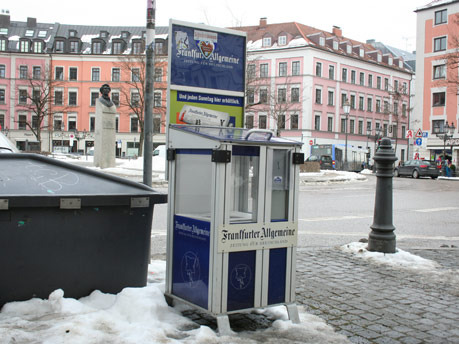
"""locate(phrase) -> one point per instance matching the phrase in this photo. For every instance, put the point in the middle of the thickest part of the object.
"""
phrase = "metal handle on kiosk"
(259, 131)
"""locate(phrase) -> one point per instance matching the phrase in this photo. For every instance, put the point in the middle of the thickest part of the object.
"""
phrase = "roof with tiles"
(310, 36)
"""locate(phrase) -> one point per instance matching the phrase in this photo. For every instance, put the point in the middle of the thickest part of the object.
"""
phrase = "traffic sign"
(419, 133)
(418, 141)
(311, 142)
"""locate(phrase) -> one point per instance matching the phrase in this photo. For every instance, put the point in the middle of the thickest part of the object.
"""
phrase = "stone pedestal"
(105, 142)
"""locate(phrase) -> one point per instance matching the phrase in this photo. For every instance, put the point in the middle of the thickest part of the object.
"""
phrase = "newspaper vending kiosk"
(232, 220)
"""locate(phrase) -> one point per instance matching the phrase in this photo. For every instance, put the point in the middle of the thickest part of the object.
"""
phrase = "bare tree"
(36, 95)
(399, 109)
(276, 99)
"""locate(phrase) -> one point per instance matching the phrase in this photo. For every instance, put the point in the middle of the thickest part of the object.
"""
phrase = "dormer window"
(282, 40)
(29, 33)
(74, 46)
(335, 45)
(103, 34)
(124, 34)
(321, 41)
(266, 41)
(2, 44)
(97, 48)
(3, 31)
(59, 46)
(361, 52)
(390, 61)
(37, 47)
(42, 33)
(400, 64)
(137, 47)
(72, 33)
(24, 46)
(379, 57)
(117, 48)
(348, 49)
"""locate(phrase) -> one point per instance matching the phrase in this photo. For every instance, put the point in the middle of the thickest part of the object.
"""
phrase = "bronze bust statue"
(105, 99)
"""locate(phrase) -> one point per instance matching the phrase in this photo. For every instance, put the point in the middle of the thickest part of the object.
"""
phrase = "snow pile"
(139, 316)
(399, 259)
(330, 176)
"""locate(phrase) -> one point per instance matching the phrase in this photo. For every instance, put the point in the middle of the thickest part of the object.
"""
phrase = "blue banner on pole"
(207, 59)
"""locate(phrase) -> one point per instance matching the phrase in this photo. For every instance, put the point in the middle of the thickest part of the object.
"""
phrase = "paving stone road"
(375, 303)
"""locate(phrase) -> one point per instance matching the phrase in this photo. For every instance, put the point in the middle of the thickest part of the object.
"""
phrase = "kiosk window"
(280, 185)
(194, 180)
(245, 163)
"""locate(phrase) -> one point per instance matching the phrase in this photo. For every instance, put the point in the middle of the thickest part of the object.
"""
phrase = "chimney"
(337, 31)
(31, 22)
(371, 41)
(263, 22)
(4, 20)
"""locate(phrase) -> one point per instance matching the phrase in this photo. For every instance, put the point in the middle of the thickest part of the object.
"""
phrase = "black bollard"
(382, 237)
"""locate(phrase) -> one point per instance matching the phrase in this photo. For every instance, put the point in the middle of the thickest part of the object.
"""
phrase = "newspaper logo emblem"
(191, 269)
(206, 48)
(241, 276)
(181, 40)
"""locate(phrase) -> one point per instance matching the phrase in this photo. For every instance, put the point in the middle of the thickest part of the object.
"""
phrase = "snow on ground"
(140, 316)
(398, 259)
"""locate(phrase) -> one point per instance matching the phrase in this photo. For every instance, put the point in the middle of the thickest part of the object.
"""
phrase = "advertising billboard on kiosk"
(206, 75)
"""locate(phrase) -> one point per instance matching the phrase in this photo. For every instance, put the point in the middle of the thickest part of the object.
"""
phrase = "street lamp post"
(347, 109)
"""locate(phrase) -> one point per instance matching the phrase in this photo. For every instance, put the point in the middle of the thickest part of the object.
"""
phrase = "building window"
(262, 121)
(134, 124)
(116, 74)
(58, 97)
(282, 68)
(264, 70)
(317, 122)
(135, 74)
(2, 44)
(439, 99)
(343, 98)
(296, 68)
(360, 127)
(439, 72)
(251, 71)
(36, 96)
(343, 125)
(249, 121)
(362, 79)
(370, 104)
(263, 96)
(95, 74)
(250, 96)
(404, 110)
(157, 99)
(282, 40)
(295, 94)
(74, 47)
(331, 72)
(158, 74)
(344, 75)
(281, 122)
(331, 98)
(36, 72)
(116, 98)
(72, 98)
(97, 48)
(2, 121)
(37, 47)
(281, 95)
(352, 101)
(386, 84)
(2, 97)
(24, 46)
(353, 74)
(361, 101)
(386, 106)
(318, 69)
(135, 99)
(330, 123)
(22, 122)
(94, 96)
(92, 124)
(318, 96)
(159, 48)
(73, 73)
(23, 72)
(378, 105)
(59, 73)
(22, 97)
(438, 126)
(403, 132)
(116, 48)
(59, 48)
(136, 48)
(294, 121)
(2, 71)
(396, 108)
(266, 41)
(72, 123)
(370, 80)
(378, 82)
(441, 17)
(440, 43)
(351, 126)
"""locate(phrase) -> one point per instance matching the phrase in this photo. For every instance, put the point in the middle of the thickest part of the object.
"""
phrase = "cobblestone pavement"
(375, 303)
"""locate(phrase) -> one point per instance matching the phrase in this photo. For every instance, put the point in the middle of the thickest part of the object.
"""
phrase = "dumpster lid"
(237, 135)
(37, 175)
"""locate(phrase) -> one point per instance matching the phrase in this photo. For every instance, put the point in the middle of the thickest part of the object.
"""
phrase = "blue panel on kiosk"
(241, 280)
(190, 265)
(277, 275)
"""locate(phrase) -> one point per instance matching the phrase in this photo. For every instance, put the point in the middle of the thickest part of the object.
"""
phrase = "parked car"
(6, 146)
(417, 168)
(326, 162)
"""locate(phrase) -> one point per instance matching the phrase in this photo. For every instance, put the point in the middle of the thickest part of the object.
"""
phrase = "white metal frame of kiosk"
(232, 220)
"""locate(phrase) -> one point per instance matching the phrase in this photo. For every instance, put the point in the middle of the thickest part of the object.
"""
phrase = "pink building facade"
(437, 100)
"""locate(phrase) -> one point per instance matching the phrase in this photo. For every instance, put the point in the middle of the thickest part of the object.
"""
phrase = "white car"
(6, 146)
